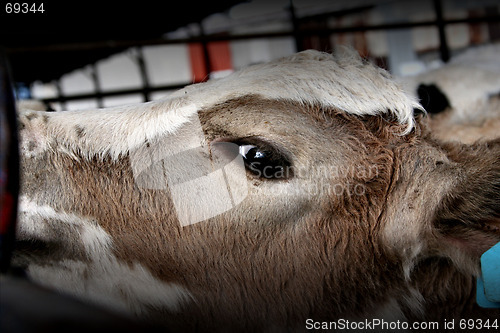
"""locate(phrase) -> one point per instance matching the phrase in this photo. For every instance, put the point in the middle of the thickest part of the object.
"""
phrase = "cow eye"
(265, 162)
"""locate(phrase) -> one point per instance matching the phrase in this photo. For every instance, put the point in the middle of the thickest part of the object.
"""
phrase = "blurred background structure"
(79, 55)
(112, 56)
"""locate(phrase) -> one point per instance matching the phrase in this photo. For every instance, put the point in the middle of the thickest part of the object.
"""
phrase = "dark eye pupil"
(255, 154)
(264, 163)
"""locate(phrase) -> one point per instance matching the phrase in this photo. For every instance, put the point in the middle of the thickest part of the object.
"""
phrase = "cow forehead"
(343, 82)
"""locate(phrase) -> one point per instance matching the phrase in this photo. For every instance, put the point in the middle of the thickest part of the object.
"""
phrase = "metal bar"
(443, 43)
(114, 93)
(224, 37)
(97, 85)
(9, 167)
(206, 53)
(299, 43)
(61, 98)
(144, 75)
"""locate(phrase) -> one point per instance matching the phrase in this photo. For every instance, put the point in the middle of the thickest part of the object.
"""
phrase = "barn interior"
(74, 56)
(105, 55)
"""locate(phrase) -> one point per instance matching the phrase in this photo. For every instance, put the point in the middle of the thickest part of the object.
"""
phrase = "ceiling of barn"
(70, 35)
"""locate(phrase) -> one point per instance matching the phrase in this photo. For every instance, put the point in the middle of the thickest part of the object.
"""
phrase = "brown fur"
(273, 262)
(485, 125)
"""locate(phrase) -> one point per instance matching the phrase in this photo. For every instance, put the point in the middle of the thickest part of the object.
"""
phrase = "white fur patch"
(103, 279)
(116, 131)
(343, 82)
(111, 283)
(33, 139)
(34, 223)
(468, 80)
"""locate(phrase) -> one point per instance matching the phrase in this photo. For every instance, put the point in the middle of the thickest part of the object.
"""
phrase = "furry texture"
(470, 83)
(484, 126)
(468, 80)
(344, 82)
(369, 223)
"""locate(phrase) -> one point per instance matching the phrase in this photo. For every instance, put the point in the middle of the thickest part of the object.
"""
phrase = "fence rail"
(299, 33)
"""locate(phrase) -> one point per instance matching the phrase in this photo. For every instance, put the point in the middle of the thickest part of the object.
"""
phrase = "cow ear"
(468, 217)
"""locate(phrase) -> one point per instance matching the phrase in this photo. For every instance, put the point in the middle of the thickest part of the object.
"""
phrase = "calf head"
(302, 188)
